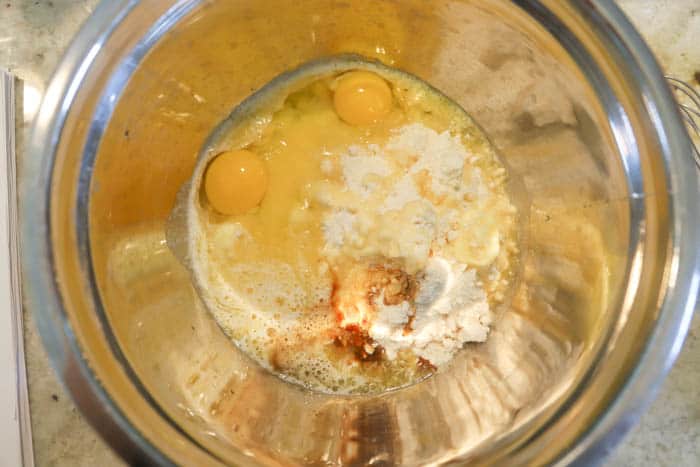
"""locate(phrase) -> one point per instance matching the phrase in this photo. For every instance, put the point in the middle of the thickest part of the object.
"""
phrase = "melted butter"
(269, 281)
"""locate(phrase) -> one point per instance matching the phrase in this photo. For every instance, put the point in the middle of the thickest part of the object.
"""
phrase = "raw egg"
(235, 182)
(362, 97)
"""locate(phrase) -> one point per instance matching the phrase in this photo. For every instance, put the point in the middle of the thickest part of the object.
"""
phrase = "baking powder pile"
(420, 200)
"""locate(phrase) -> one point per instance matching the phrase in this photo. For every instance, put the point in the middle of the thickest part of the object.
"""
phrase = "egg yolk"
(235, 182)
(361, 98)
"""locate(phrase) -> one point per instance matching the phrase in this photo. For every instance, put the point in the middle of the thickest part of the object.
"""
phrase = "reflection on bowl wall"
(594, 150)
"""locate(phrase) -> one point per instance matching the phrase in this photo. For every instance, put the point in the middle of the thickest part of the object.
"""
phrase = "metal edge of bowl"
(680, 300)
(41, 294)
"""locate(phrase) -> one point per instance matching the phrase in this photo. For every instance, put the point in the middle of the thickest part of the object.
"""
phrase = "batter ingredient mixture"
(349, 228)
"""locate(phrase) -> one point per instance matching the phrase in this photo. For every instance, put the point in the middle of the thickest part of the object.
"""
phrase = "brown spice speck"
(425, 363)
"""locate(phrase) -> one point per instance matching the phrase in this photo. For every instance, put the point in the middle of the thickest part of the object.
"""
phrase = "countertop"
(33, 35)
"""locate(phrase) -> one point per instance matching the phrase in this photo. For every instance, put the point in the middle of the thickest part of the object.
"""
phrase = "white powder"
(380, 211)
(404, 192)
(392, 318)
(441, 155)
(380, 190)
(408, 233)
(450, 309)
(337, 226)
(358, 164)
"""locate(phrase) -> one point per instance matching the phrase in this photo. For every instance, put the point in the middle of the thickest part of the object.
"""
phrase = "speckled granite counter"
(33, 34)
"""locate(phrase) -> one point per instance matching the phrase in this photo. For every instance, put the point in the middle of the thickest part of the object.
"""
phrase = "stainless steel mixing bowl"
(598, 157)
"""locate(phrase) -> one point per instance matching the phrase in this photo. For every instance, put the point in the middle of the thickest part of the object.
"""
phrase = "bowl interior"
(168, 76)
